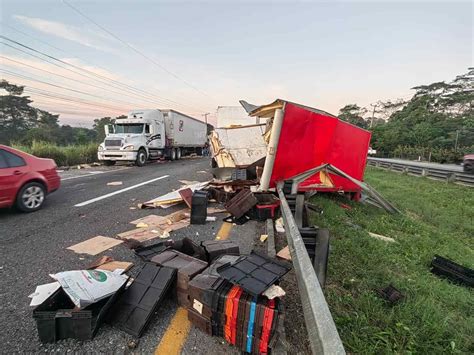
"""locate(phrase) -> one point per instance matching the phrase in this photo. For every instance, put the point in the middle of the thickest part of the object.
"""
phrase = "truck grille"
(113, 142)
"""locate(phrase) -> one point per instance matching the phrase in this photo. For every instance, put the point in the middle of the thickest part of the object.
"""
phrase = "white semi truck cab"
(152, 134)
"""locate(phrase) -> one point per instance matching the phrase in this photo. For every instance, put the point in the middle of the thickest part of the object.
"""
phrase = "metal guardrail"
(430, 172)
(322, 332)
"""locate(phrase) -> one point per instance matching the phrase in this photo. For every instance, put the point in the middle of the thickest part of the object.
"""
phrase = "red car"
(25, 180)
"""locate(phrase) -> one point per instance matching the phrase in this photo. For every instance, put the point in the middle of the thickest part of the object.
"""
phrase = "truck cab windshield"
(129, 128)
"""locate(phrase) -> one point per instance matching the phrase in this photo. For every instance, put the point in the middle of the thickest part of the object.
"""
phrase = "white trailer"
(152, 134)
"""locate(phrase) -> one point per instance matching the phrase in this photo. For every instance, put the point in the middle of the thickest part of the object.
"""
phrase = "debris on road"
(186, 194)
(95, 245)
(115, 183)
(43, 292)
(274, 291)
(199, 207)
(284, 253)
(138, 304)
(85, 287)
(172, 198)
(263, 237)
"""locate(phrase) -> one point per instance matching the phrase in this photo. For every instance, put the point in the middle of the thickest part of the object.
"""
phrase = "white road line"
(92, 173)
(119, 191)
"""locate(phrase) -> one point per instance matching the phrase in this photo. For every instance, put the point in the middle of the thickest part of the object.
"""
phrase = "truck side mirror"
(106, 129)
(151, 129)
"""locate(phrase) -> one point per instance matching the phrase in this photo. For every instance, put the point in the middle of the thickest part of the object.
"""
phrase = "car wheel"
(173, 154)
(469, 167)
(109, 162)
(31, 197)
(178, 153)
(141, 157)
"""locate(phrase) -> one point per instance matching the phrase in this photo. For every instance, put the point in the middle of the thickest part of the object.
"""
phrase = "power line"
(134, 49)
(129, 87)
(75, 80)
(62, 87)
(81, 74)
(50, 94)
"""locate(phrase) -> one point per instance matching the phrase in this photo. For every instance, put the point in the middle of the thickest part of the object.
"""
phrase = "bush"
(62, 155)
(438, 155)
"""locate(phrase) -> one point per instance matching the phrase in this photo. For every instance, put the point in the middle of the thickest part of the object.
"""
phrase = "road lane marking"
(119, 191)
(175, 336)
(92, 173)
(224, 232)
(178, 330)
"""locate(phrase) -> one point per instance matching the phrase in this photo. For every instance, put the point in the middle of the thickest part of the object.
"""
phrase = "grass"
(436, 316)
(62, 155)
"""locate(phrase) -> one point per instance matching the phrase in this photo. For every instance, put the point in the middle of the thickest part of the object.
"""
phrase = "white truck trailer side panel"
(233, 115)
(183, 130)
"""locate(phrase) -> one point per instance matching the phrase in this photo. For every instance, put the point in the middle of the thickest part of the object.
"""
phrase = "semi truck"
(152, 134)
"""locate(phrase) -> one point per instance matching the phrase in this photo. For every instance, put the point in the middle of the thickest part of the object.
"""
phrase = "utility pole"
(456, 143)
(373, 114)
(205, 116)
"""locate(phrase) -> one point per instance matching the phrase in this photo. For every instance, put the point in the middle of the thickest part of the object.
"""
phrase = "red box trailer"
(309, 138)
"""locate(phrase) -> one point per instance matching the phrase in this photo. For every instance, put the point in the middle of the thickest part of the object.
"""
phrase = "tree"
(354, 114)
(99, 124)
(16, 114)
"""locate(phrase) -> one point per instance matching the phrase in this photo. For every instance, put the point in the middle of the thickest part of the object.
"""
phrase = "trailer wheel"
(178, 153)
(173, 154)
(141, 157)
(109, 162)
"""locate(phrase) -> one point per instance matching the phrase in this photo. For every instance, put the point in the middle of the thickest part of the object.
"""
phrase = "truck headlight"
(101, 147)
(128, 147)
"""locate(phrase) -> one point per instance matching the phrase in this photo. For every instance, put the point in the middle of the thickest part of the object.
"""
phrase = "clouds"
(83, 36)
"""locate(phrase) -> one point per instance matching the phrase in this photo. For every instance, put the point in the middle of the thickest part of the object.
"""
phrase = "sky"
(193, 56)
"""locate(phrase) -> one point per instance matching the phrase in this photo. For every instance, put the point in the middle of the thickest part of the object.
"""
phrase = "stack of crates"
(222, 309)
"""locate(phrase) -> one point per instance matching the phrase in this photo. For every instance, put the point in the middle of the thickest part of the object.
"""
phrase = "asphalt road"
(449, 167)
(34, 245)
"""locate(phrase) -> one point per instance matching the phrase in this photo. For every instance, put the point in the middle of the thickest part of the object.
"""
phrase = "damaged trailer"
(296, 138)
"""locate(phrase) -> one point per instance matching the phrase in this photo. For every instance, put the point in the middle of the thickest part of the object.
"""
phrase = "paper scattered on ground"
(189, 182)
(173, 197)
(142, 225)
(215, 210)
(202, 172)
(381, 237)
(141, 234)
(151, 220)
(279, 225)
(263, 237)
(102, 260)
(274, 291)
(284, 253)
(115, 183)
(85, 287)
(211, 219)
(116, 266)
(42, 292)
(95, 245)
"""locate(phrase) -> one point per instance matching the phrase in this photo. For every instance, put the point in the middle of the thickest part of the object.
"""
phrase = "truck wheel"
(199, 151)
(109, 162)
(141, 157)
(31, 197)
(173, 154)
(469, 167)
(178, 153)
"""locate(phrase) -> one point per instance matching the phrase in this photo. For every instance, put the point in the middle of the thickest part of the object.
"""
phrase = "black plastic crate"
(148, 252)
(254, 273)
(453, 271)
(135, 308)
(56, 318)
(199, 207)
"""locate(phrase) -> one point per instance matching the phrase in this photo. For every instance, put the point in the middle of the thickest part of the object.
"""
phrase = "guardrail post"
(322, 332)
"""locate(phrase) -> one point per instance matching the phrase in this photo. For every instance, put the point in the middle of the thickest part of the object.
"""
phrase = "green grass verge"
(62, 155)
(436, 316)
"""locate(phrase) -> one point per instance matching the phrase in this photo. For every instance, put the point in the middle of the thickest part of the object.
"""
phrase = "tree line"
(23, 124)
(436, 123)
